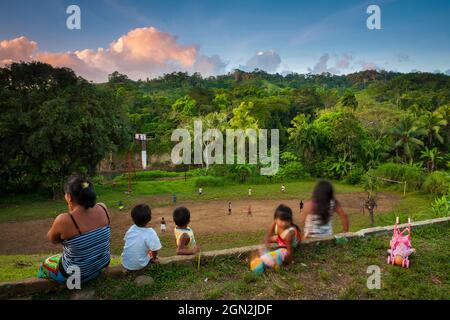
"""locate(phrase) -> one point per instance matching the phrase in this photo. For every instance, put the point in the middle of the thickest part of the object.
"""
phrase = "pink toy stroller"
(400, 246)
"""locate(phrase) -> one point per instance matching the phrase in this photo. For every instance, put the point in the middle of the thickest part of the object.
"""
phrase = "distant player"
(200, 191)
(283, 188)
(229, 207)
(249, 192)
(301, 206)
(174, 198)
(163, 225)
(121, 206)
(249, 210)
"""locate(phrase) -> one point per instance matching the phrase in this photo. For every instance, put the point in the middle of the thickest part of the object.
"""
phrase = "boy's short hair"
(141, 215)
(181, 216)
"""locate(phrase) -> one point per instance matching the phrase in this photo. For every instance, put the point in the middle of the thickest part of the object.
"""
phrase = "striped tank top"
(90, 251)
(314, 227)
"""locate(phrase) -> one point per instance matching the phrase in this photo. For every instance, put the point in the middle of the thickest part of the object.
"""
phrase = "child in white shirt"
(141, 243)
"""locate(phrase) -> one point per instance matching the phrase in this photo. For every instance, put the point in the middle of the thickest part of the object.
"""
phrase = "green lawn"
(324, 271)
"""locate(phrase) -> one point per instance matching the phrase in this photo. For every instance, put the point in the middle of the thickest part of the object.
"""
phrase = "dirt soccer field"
(207, 217)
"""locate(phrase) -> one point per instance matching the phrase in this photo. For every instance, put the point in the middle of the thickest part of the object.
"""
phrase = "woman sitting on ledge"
(317, 216)
(84, 233)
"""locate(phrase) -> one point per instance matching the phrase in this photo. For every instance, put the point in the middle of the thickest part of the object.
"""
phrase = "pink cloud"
(18, 49)
(141, 53)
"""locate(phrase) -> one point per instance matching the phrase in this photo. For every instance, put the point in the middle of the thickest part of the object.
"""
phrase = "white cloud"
(209, 66)
(322, 66)
(264, 60)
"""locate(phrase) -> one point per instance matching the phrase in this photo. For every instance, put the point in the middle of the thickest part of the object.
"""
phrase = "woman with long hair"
(317, 217)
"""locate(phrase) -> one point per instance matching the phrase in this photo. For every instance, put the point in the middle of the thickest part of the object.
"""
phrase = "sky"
(149, 38)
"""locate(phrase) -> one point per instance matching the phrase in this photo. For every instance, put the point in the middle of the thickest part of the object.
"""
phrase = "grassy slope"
(325, 271)
(158, 193)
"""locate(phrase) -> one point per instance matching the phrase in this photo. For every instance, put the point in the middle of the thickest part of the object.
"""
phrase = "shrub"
(208, 181)
(413, 176)
(437, 183)
(441, 206)
(149, 175)
(355, 174)
(292, 170)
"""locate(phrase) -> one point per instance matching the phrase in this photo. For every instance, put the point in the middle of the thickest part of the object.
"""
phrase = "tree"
(349, 100)
(53, 124)
(305, 136)
(407, 134)
(432, 123)
(432, 157)
(185, 106)
(241, 117)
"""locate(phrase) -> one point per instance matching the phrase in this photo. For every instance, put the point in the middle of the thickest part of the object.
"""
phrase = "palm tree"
(304, 135)
(407, 135)
(432, 158)
(433, 122)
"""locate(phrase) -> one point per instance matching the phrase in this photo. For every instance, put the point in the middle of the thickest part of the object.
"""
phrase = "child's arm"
(343, 217)
(288, 240)
(270, 238)
(154, 256)
(181, 247)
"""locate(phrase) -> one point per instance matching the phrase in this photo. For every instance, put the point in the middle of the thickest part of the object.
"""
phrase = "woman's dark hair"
(181, 216)
(322, 195)
(284, 213)
(81, 190)
(141, 215)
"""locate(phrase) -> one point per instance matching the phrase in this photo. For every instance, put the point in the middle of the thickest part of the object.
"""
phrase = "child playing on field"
(229, 207)
(286, 234)
(141, 243)
(184, 235)
(163, 225)
(283, 189)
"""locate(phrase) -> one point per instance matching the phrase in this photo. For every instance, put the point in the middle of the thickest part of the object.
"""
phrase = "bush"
(292, 171)
(413, 176)
(355, 175)
(437, 183)
(208, 181)
(149, 175)
(441, 206)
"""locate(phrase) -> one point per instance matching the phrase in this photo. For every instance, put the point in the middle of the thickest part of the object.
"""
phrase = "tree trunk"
(372, 222)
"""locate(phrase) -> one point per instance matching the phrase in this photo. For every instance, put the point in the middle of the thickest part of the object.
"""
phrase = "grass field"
(324, 271)
(25, 211)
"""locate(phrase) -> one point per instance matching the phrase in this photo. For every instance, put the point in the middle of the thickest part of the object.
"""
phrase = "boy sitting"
(184, 235)
(141, 243)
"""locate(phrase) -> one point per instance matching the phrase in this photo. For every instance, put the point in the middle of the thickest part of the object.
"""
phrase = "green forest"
(353, 127)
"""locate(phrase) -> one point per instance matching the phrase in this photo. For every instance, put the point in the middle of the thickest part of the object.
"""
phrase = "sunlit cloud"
(141, 53)
(18, 49)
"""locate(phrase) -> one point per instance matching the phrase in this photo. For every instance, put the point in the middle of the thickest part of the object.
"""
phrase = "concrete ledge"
(27, 287)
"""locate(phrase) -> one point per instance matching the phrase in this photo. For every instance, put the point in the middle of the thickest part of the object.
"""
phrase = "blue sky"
(298, 36)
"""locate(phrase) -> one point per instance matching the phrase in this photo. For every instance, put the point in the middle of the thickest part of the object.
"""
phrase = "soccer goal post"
(395, 181)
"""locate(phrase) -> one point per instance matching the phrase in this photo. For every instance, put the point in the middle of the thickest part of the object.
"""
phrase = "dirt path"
(207, 217)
